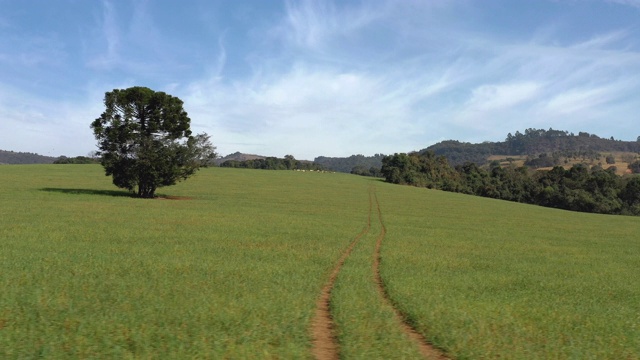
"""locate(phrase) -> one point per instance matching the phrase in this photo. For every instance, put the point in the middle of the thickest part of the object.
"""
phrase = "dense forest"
(553, 145)
(76, 160)
(579, 188)
(273, 163)
(12, 157)
(355, 164)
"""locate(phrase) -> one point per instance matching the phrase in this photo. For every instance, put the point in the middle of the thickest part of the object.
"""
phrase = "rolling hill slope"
(235, 269)
(12, 157)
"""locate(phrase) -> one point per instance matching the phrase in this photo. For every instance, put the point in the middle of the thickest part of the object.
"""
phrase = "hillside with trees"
(580, 188)
(238, 156)
(12, 157)
(551, 146)
(273, 163)
(355, 164)
(76, 160)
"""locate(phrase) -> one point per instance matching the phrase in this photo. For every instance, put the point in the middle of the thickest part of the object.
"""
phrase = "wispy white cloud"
(131, 43)
(306, 111)
(109, 56)
(313, 24)
(478, 88)
(578, 100)
(336, 78)
(497, 97)
(35, 51)
(601, 41)
(47, 126)
(634, 3)
(221, 59)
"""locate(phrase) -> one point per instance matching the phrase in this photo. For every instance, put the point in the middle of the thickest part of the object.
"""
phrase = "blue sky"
(331, 78)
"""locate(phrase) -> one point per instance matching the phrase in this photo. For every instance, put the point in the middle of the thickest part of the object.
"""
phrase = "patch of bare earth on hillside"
(622, 160)
(427, 350)
(170, 197)
(325, 345)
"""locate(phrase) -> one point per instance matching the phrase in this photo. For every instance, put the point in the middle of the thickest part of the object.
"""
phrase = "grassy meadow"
(233, 272)
(491, 279)
(234, 269)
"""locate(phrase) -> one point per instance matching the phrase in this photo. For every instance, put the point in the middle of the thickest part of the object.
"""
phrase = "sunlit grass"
(235, 271)
(366, 326)
(490, 279)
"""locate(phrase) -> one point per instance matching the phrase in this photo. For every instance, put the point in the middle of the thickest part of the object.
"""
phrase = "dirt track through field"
(325, 345)
(427, 350)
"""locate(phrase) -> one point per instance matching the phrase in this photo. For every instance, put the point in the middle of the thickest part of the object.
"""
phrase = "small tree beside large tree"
(145, 141)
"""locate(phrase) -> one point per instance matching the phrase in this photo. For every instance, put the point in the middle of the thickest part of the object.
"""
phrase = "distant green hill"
(533, 143)
(12, 157)
(238, 156)
(347, 164)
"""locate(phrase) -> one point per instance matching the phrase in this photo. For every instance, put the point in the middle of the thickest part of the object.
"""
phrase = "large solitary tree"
(145, 141)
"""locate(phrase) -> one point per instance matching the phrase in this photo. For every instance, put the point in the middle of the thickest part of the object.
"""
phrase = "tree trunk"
(146, 191)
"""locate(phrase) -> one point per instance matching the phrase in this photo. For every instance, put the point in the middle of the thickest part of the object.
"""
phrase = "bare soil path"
(427, 350)
(325, 345)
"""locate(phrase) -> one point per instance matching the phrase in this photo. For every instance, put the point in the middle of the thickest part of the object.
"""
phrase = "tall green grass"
(235, 270)
(492, 279)
(366, 326)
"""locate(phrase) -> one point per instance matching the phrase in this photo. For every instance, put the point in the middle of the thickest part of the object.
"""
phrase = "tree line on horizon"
(76, 160)
(542, 148)
(532, 143)
(580, 188)
(16, 157)
(289, 162)
(354, 164)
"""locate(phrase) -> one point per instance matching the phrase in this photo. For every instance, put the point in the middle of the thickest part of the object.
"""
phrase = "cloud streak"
(30, 123)
(314, 24)
(633, 3)
(110, 56)
(420, 100)
(313, 78)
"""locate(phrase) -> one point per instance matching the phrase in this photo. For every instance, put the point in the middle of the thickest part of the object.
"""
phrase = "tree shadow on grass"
(89, 192)
(120, 193)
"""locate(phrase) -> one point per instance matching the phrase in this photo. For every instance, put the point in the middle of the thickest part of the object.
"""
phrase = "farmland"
(621, 161)
(233, 268)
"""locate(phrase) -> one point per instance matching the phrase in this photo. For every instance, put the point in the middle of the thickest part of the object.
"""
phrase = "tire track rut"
(325, 344)
(426, 349)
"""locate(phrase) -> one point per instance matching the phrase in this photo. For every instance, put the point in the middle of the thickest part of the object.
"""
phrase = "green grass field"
(235, 270)
(493, 279)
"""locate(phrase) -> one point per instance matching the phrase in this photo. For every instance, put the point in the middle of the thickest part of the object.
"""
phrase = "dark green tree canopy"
(145, 141)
